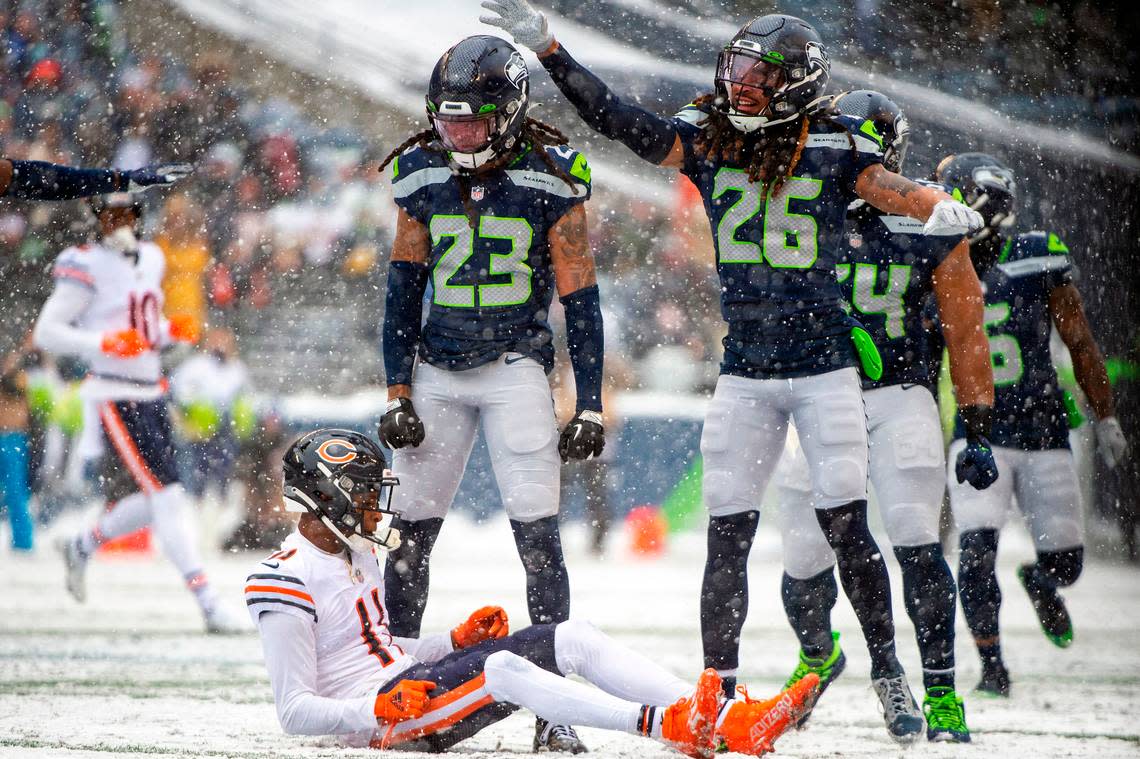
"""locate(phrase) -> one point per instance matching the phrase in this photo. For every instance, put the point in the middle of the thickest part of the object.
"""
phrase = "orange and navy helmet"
(337, 475)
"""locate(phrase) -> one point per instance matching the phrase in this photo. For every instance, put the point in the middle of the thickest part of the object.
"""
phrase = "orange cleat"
(752, 727)
(689, 724)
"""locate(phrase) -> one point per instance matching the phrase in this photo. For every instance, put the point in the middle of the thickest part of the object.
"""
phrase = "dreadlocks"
(771, 155)
(535, 134)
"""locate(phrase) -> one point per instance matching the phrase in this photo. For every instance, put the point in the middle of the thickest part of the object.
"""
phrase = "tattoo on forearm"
(573, 263)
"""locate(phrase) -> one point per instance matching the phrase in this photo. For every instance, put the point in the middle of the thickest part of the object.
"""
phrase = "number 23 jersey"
(776, 256)
(490, 286)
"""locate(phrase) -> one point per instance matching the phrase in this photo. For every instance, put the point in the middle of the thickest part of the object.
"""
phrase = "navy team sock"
(808, 604)
(929, 592)
(979, 591)
(406, 576)
(724, 592)
(547, 583)
(863, 574)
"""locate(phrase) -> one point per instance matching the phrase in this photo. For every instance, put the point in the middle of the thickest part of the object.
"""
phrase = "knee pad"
(1064, 567)
(531, 496)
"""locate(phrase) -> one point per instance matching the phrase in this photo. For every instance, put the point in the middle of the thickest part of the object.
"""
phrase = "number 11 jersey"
(490, 286)
(776, 256)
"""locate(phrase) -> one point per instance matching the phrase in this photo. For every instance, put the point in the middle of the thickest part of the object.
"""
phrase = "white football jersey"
(125, 293)
(344, 601)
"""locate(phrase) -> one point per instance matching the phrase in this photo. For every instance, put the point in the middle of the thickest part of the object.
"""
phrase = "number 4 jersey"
(491, 286)
(886, 274)
(776, 256)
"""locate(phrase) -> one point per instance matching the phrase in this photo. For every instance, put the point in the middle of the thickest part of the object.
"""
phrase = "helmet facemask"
(474, 139)
(758, 89)
(346, 503)
(894, 151)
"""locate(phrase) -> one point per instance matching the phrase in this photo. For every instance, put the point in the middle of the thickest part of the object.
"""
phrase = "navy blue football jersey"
(776, 256)
(1029, 406)
(886, 274)
(489, 287)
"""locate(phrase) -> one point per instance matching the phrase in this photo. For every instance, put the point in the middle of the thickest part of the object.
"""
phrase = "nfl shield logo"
(477, 192)
(855, 240)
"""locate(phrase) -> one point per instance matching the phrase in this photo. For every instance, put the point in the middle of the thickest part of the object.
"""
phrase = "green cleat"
(827, 669)
(1050, 607)
(945, 716)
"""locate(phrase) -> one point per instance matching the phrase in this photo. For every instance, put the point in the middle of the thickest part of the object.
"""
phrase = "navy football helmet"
(779, 57)
(987, 186)
(887, 118)
(477, 99)
(338, 475)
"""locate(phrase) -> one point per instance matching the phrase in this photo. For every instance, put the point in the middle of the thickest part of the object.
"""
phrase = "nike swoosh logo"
(514, 360)
(274, 565)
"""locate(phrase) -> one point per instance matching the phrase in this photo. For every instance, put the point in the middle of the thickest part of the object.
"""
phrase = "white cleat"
(900, 712)
(75, 568)
(221, 620)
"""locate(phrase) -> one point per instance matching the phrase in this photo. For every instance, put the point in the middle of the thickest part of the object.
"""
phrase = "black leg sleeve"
(808, 604)
(406, 576)
(978, 588)
(547, 583)
(928, 587)
(1056, 569)
(724, 591)
(863, 574)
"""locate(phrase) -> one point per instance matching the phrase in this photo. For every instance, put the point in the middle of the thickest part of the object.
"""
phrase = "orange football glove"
(408, 700)
(125, 344)
(184, 328)
(485, 624)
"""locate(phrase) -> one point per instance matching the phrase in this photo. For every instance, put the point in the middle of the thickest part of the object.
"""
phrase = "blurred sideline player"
(39, 180)
(776, 171)
(106, 308)
(491, 211)
(887, 273)
(1029, 289)
(336, 667)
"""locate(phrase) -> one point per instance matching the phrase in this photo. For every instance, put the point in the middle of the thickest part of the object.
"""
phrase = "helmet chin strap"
(747, 123)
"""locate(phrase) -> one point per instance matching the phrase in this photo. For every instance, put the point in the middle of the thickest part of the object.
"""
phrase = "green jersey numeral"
(1005, 351)
(513, 264)
(867, 300)
(789, 241)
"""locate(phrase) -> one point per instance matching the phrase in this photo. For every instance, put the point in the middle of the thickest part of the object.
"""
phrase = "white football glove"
(952, 218)
(524, 23)
(161, 175)
(1110, 441)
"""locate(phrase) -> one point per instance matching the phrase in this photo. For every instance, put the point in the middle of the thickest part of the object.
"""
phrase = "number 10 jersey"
(776, 256)
(490, 286)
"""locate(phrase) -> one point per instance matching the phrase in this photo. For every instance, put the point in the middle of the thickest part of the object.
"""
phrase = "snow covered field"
(129, 672)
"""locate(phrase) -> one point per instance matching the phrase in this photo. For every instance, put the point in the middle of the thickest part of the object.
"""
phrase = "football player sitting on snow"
(336, 669)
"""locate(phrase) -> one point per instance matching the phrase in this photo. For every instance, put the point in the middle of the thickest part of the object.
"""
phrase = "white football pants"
(511, 396)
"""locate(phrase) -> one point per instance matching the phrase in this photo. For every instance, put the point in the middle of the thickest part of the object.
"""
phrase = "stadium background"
(287, 108)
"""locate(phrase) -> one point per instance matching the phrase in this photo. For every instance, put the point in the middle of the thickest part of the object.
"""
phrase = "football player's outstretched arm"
(577, 284)
(39, 180)
(407, 279)
(961, 307)
(54, 330)
(896, 194)
(648, 135)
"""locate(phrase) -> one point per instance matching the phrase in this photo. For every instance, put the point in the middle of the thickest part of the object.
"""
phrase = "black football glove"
(160, 175)
(976, 464)
(583, 438)
(400, 425)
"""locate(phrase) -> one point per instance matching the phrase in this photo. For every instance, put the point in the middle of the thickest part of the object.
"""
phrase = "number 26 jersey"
(490, 286)
(776, 256)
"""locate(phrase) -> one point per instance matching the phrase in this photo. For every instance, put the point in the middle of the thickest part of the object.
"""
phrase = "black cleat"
(994, 682)
(560, 738)
(1050, 607)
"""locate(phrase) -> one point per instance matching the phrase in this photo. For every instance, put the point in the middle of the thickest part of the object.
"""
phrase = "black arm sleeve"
(402, 313)
(647, 134)
(38, 180)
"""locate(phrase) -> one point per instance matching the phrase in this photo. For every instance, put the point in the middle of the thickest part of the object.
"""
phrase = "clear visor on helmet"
(466, 133)
(749, 81)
